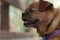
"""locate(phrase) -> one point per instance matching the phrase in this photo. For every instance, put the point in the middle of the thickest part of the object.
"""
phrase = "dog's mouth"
(31, 23)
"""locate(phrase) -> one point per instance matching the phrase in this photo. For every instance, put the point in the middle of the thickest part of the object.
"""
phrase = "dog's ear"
(45, 5)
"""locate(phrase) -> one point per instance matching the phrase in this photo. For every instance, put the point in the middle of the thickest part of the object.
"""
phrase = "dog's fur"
(45, 17)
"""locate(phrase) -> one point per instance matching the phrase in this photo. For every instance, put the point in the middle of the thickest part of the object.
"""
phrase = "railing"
(10, 35)
(5, 12)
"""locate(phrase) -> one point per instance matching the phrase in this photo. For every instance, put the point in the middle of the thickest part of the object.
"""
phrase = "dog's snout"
(24, 19)
(23, 14)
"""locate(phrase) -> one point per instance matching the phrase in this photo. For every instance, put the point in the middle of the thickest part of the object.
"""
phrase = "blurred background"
(15, 18)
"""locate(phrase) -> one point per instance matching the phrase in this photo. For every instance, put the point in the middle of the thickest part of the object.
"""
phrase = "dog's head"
(37, 15)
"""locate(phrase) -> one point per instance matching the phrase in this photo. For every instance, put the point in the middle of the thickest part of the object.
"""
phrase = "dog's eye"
(32, 10)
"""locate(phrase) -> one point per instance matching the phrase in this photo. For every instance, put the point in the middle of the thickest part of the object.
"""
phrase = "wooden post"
(0, 15)
(4, 16)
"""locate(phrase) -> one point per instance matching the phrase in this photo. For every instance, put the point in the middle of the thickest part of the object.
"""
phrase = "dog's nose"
(24, 16)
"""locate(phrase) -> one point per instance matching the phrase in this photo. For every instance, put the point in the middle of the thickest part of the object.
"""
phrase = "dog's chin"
(32, 23)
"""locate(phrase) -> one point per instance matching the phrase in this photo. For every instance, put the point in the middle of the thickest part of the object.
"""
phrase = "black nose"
(24, 16)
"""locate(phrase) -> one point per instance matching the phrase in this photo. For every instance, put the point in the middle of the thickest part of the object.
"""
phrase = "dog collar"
(46, 37)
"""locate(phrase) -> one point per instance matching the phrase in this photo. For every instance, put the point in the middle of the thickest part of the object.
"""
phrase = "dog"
(45, 18)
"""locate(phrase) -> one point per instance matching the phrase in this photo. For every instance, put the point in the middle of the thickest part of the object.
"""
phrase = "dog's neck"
(54, 23)
(52, 17)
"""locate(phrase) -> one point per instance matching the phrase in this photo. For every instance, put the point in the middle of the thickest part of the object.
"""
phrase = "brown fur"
(46, 17)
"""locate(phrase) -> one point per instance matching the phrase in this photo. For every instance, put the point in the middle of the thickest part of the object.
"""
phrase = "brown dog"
(43, 16)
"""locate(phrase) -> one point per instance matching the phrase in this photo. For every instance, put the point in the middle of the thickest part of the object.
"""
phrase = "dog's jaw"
(32, 23)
